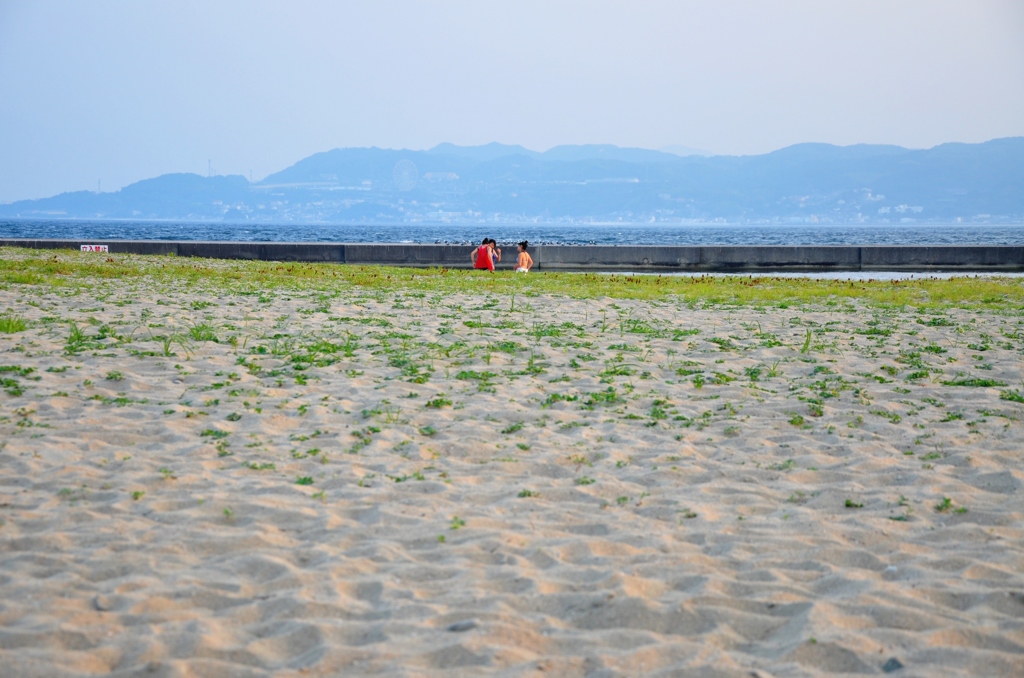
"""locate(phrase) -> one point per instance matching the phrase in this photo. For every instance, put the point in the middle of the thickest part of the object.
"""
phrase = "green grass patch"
(10, 323)
(72, 269)
(975, 383)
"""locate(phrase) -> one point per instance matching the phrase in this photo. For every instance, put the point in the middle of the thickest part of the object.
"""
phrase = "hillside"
(805, 183)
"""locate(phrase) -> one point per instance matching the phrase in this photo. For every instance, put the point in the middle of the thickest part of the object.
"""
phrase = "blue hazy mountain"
(569, 153)
(489, 151)
(683, 150)
(501, 183)
(605, 152)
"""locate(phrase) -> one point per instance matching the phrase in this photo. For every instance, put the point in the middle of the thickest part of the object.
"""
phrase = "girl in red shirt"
(482, 256)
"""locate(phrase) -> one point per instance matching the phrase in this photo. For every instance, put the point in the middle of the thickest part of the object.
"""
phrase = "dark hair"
(524, 245)
(485, 241)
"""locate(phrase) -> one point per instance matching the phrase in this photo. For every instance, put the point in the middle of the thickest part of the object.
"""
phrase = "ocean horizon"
(540, 234)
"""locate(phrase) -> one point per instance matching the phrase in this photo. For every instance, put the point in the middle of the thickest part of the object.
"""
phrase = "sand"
(396, 484)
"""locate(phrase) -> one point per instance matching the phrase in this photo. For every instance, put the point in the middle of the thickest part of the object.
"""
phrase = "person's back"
(525, 262)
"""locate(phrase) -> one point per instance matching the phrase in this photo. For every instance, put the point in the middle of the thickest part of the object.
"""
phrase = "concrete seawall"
(637, 258)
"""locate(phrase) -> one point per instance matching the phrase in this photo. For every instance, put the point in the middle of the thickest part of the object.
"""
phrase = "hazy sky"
(120, 91)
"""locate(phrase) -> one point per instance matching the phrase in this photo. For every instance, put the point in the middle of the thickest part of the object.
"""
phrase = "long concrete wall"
(637, 258)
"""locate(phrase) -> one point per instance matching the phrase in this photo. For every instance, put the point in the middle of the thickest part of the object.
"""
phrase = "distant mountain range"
(494, 183)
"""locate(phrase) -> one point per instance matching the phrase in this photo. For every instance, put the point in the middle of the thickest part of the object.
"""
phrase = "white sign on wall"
(94, 248)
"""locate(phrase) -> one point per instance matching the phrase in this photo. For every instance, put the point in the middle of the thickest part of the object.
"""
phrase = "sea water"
(539, 234)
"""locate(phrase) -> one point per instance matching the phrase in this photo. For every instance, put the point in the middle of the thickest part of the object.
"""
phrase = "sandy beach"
(204, 482)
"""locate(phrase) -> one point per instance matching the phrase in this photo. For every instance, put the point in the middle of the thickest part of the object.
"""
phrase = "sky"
(99, 94)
